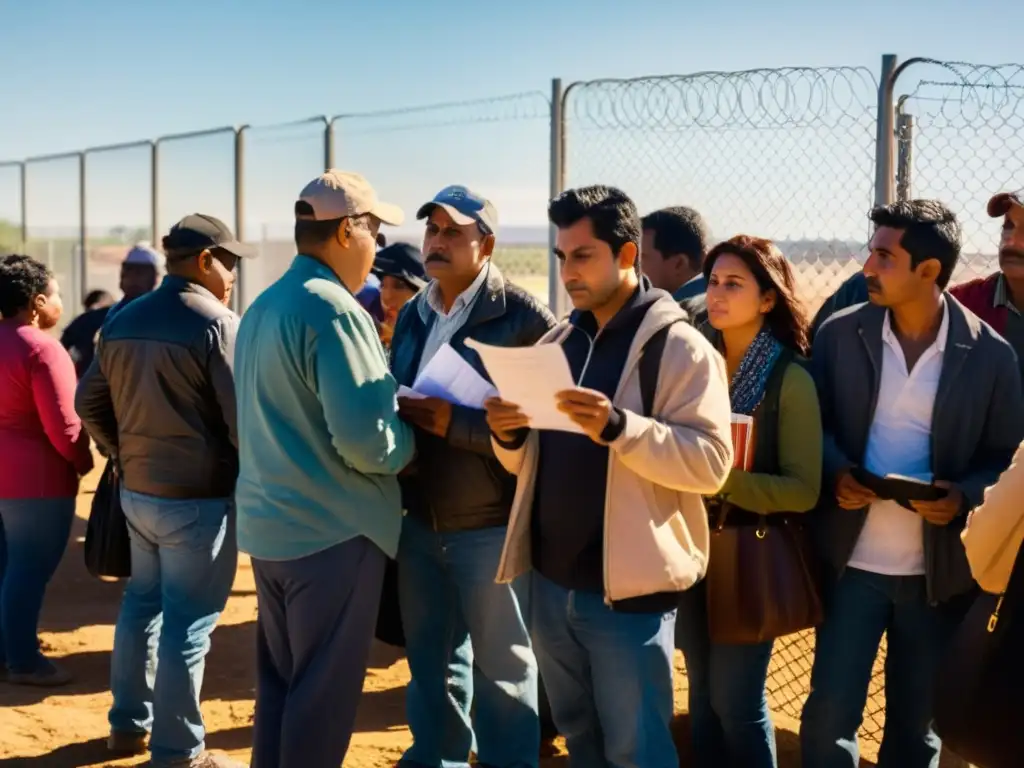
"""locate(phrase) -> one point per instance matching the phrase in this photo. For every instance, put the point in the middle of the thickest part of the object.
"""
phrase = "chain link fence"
(279, 161)
(498, 146)
(10, 207)
(960, 139)
(53, 221)
(118, 211)
(786, 154)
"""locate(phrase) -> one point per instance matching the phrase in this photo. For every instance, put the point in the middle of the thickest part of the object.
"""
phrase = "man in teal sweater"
(320, 448)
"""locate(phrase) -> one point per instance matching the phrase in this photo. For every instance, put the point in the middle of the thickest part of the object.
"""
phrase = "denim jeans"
(33, 537)
(729, 716)
(860, 608)
(184, 555)
(608, 675)
(456, 617)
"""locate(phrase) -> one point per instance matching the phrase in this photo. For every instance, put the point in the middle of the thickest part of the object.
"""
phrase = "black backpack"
(650, 366)
(979, 687)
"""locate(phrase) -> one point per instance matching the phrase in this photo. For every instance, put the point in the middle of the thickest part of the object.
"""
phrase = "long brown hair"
(787, 320)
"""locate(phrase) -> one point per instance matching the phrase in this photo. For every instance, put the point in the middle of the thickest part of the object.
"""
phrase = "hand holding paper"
(504, 418)
(531, 378)
(588, 408)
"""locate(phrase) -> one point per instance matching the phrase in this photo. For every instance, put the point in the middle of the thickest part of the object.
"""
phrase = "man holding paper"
(608, 509)
(466, 636)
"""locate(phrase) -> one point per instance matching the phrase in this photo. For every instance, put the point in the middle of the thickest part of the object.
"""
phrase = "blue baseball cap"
(465, 207)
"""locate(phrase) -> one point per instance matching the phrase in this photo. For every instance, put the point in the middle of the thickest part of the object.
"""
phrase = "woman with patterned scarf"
(757, 323)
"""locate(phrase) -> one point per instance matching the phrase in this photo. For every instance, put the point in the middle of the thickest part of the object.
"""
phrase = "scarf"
(746, 390)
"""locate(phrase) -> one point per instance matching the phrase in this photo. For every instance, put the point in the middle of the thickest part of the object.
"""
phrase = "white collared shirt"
(892, 539)
(447, 324)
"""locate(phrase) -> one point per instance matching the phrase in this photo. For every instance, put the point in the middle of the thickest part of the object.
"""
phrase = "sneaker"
(206, 760)
(46, 675)
(128, 743)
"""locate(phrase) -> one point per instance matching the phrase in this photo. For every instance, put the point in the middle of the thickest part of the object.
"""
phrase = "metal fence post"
(904, 151)
(154, 191)
(83, 235)
(885, 135)
(328, 143)
(23, 191)
(237, 293)
(556, 296)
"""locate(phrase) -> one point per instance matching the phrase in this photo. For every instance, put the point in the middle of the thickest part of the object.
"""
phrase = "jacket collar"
(180, 285)
(964, 334)
(488, 304)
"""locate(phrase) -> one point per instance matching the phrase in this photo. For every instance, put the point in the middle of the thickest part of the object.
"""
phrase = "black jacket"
(159, 396)
(977, 425)
(457, 484)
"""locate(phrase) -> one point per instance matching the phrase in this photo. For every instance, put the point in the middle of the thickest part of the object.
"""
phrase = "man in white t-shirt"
(913, 385)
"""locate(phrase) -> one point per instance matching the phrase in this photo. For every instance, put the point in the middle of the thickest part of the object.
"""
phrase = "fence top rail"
(12, 163)
(324, 120)
(958, 68)
(196, 134)
(420, 109)
(123, 145)
(54, 157)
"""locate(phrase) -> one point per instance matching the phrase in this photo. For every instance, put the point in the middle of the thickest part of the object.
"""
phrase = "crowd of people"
(541, 579)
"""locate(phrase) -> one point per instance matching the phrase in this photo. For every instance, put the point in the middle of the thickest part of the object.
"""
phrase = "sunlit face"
(49, 306)
(734, 298)
(1011, 244)
(890, 279)
(453, 251)
(590, 272)
(217, 273)
(665, 272)
(394, 293)
(358, 236)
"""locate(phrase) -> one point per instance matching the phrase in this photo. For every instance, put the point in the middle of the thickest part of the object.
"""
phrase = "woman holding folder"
(757, 323)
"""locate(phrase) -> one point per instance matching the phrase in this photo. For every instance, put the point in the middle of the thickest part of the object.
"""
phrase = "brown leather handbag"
(761, 581)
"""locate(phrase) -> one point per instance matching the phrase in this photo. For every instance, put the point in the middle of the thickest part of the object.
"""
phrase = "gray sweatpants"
(314, 630)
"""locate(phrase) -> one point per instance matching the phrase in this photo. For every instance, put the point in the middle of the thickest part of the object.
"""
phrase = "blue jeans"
(456, 617)
(33, 537)
(184, 556)
(862, 607)
(732, 726)
(608, 675)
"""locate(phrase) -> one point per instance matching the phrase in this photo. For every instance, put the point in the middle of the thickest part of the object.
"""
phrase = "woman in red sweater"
(44, 450)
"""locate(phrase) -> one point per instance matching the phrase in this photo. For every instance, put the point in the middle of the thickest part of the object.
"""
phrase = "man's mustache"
(1011, 253)
(437, 257)
(574, 286)
(873, 284)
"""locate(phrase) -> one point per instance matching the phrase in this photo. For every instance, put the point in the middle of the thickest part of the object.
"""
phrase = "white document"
(451, 378)
(530, 377)
(412, 394)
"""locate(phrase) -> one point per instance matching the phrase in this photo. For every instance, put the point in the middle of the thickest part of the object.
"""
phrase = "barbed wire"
(757, 98)
(529, 105)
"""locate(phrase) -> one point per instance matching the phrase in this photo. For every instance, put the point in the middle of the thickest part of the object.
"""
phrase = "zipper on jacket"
(993, 620)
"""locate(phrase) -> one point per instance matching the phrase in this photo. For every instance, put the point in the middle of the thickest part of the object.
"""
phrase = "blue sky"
(78, 74)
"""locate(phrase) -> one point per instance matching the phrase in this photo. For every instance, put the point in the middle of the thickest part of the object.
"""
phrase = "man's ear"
(343, 234)
(628, 254)
(487, 245)
(205, 260)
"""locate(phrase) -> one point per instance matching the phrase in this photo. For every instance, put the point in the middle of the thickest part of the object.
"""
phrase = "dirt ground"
(67, 727)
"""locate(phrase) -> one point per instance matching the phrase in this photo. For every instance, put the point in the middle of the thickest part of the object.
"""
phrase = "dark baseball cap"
(198, 232)
(403, 261)
(465, 207)
(1000, 204)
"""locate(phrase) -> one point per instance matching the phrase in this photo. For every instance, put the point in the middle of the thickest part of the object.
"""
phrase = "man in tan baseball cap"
(337, 221)
(319, 509)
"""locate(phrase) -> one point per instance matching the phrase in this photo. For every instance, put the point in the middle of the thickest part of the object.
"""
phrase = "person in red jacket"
(999, 298)
(44, 450)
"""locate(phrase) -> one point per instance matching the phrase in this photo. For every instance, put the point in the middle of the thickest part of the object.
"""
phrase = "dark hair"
(930, 231)
(21, 279)
(95, 297)
(612, 214)
(310, 232)
(679, 231)
(787, 320)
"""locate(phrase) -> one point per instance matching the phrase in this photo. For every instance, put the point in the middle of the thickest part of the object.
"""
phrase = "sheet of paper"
(412, 394)
(451, 378)
(530, 377)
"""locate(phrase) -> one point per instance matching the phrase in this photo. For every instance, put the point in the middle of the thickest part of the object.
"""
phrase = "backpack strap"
(650, 366)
